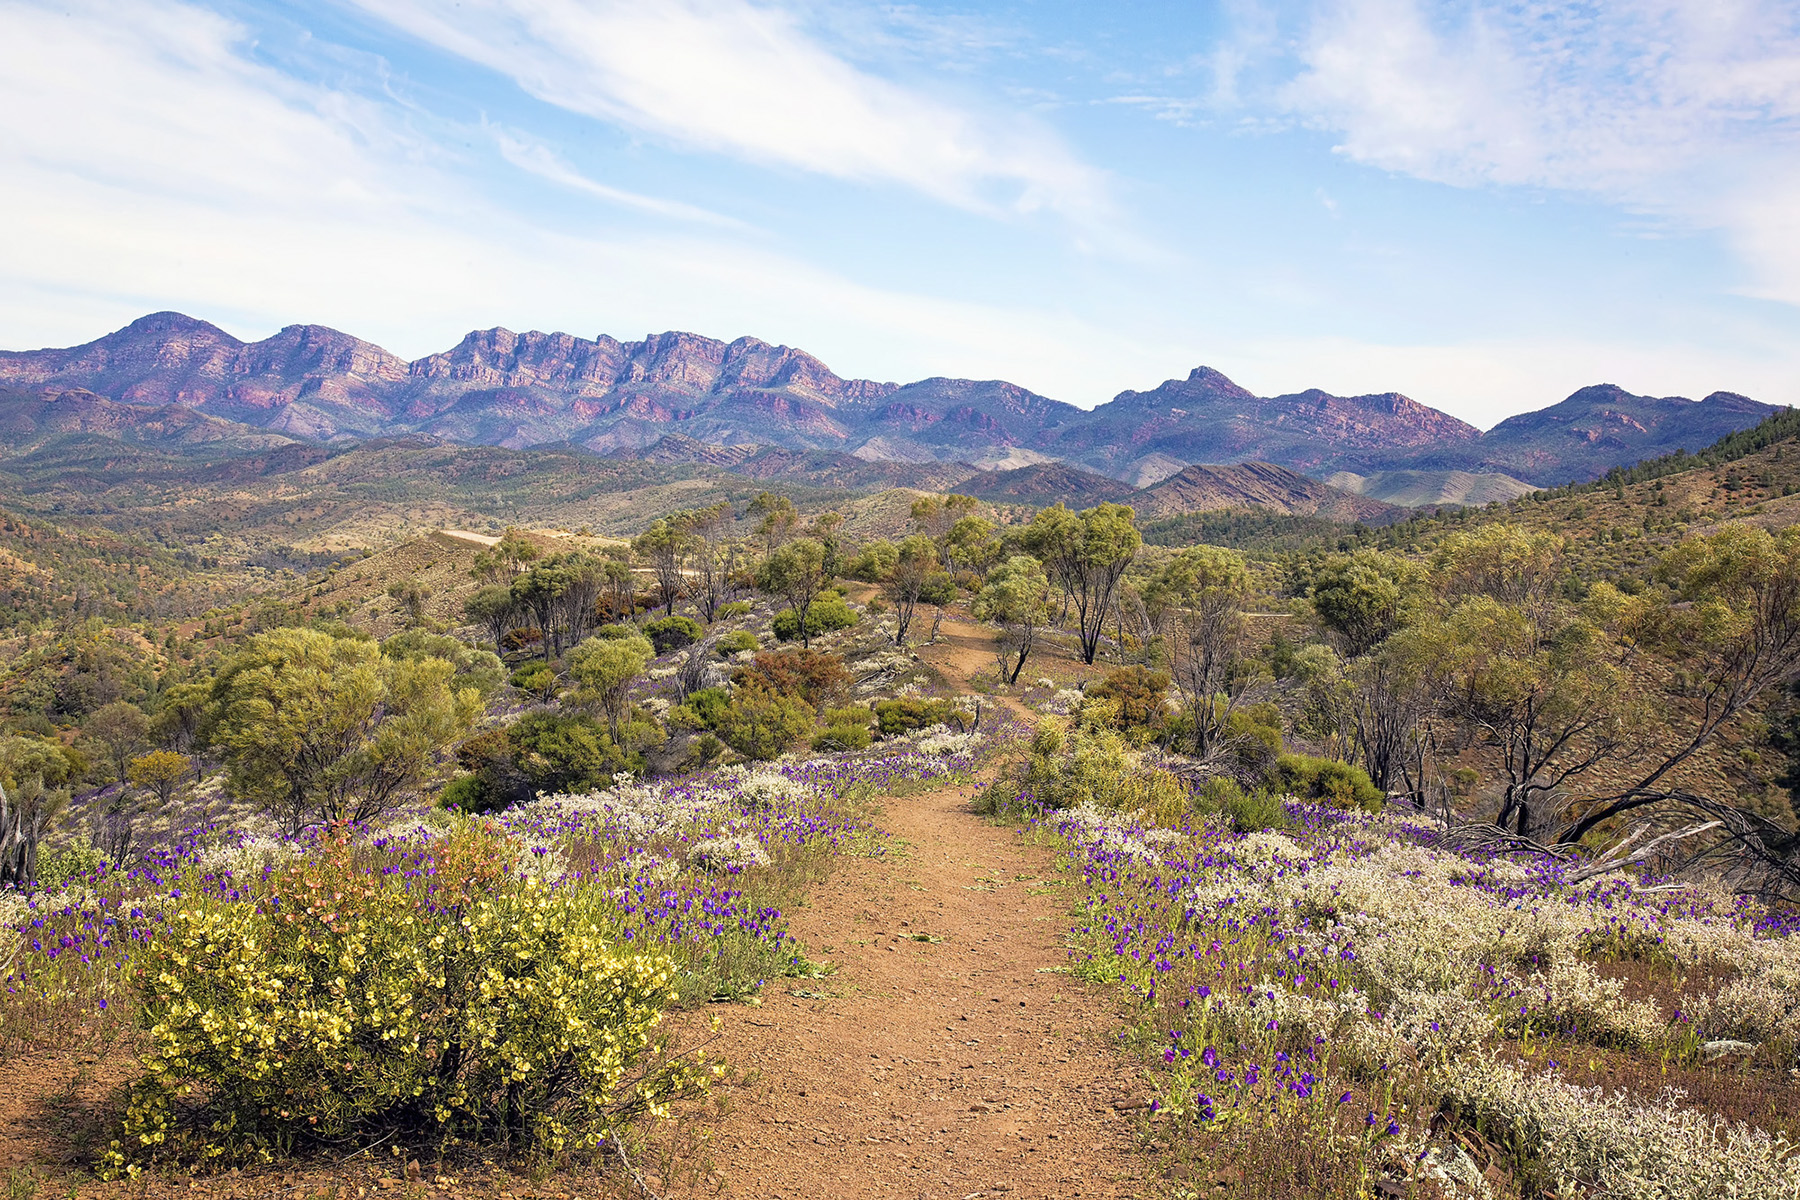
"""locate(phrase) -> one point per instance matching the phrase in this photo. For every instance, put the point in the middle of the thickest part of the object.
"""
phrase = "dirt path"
(950, 1055)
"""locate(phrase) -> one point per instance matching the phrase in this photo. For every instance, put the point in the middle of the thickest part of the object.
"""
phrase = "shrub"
(536, 678)
(72, 860)
(469, 794)
(1139, 692)
(733, 610)
(827, 614)
(709, 704)
(843, 737)
(762, 722)
(850, 714)
(1327, 779)
(816, 676)
(485, 1008)
(907, 713)
(672, 633)
(737, 641)
(1248, 811)
(560, 752)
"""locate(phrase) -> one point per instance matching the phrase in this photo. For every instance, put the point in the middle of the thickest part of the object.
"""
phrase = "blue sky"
(1483, 205)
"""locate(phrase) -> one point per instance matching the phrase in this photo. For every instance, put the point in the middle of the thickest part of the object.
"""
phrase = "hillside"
(1420, 489)
(1255, 485)
(515, 390)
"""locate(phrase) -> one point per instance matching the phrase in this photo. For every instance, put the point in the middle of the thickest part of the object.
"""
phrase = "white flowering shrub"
(1570, 1140)
(731, 853)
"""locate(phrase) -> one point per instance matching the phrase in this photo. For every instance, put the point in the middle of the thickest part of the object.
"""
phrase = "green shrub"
(762, 723)
(843, 737)
(1328, 779)
(1248, 811)
(536, 678)
(849, 714)
(469, 794)
(737, 641)
(616, 632)
(672, 633)
(352, 1005)
(561, 752)
(733, 610)
(709, 704)
(906, 713)
(1140, 693)
(827, 614)
(57, 865)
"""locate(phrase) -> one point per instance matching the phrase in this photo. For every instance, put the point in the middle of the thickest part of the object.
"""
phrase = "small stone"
(412, 1170)
(1726, 1048)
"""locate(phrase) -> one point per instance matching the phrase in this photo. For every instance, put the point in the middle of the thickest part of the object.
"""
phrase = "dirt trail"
(950, 1055)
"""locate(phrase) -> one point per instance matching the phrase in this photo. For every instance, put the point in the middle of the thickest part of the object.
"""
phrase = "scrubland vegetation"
(1452, 860)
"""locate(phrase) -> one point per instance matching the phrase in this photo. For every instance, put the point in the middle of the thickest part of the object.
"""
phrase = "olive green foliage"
(797, 572)
(843, 735)
(762, 723)
(475, 668)
(1329, 779)
(603, 669)
(1016, 597)
(873, 562)
(1087, 555)
(119, 730)
(828, 614)
(1358, 597)
(1139, 694)
(672, 633)
(1091, 764)
(737, 641)
(159, 772)
(352, 1006)
(907, 713)
(537, 678)
(320, 727)
(1247, 810)
(709, 704)
(573, 752)
(731, 610)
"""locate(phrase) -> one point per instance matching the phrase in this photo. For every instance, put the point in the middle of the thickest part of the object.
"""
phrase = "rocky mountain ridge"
(515, 390)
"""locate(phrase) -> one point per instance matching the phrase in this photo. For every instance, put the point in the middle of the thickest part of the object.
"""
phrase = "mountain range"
(768, 411)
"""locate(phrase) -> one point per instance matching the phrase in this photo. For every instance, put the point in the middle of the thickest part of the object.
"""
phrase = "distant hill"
(1255, 485)
(1416, 489)
(515, 390)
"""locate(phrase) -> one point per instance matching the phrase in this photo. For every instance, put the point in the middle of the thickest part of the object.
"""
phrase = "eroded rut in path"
(951, 1055)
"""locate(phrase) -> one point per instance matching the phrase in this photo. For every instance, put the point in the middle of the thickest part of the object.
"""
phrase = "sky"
(1483, 205)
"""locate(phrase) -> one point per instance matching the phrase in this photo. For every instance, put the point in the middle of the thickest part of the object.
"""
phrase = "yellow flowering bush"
(426, 989)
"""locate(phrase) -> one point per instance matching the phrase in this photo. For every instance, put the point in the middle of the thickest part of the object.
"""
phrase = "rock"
(412, 1170)
(1726, 1048)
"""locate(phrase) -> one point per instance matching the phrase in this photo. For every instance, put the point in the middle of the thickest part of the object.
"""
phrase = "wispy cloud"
(533, 156)
(1685, 108)
(747, 80)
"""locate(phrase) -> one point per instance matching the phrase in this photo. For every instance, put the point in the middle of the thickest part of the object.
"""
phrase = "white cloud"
(745, 79)
(533, 156)
(1679, 108)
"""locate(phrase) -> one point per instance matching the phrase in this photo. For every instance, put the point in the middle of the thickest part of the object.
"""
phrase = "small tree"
(1088, 554)
(778, 519)
(121, 729)
(506, 559)
(1017, 598)
(494, 608)
(1199, 597)
(159, 772)
(665, 546)
(915, 561)
(321, 727)
(712, 557)
(796, 572)
(412, 596)
(604, 669)
(1358, 598)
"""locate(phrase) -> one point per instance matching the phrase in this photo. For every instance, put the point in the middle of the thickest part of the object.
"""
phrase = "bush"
(733, 610)
(72, 860)
(816, 676)
(469, 794)
(536, 678)
(843, 737)
(560, 752)
(486, 1008)
(907, 713)
(709, 704)
(762, 722)
(1140, 693)
(827, 614)
(672, 633)
(850, 714)
(1335, 782)
(737, 641)
(1248, 811)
